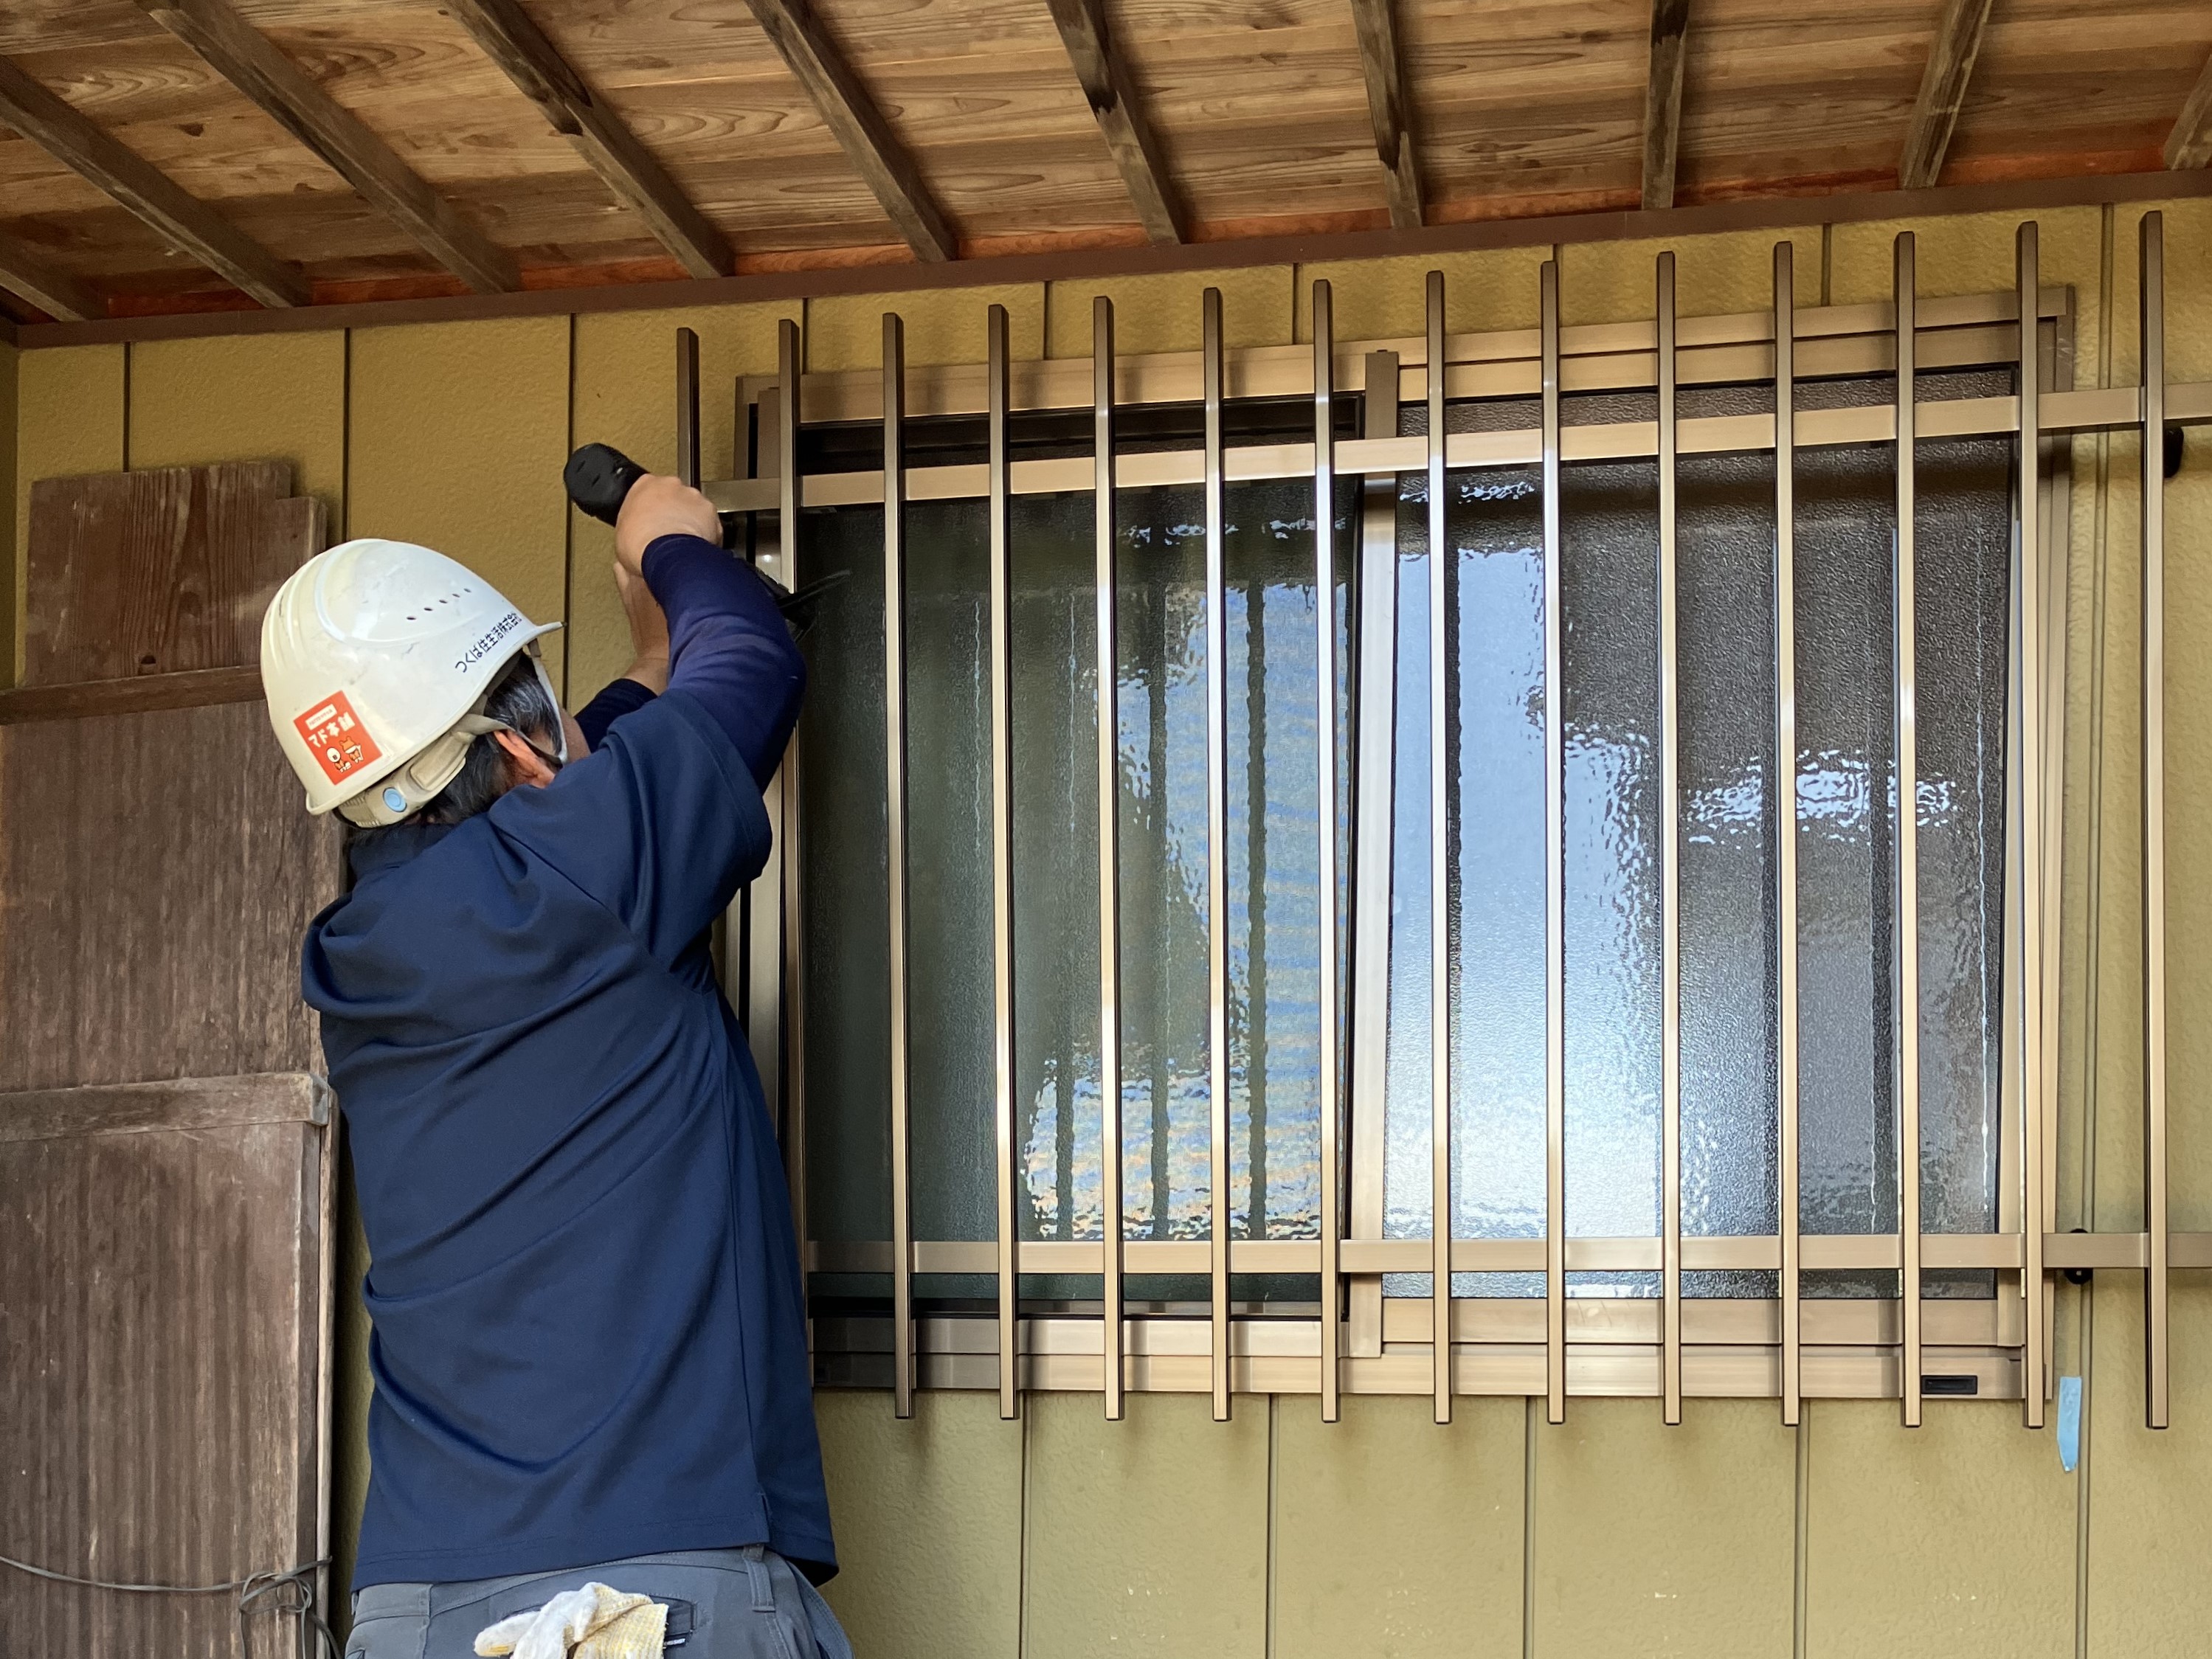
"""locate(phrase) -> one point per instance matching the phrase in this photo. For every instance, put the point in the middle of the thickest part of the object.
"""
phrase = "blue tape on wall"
(2070, 1422)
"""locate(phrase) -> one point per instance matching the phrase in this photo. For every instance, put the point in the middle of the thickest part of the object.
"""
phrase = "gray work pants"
(747, 1603)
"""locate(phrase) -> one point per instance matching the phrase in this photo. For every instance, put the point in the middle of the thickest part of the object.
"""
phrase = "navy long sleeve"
(615, 699)
(729, 646)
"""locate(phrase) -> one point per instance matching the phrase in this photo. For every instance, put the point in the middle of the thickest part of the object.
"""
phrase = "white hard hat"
(376, 658)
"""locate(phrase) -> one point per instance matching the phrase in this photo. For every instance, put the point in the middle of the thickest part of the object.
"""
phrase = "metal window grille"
(1018, 1313)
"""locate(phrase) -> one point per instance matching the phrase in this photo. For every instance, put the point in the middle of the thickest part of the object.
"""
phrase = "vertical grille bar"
(1670, 875)
(895, 859)
(1375, 753)
(2030, 796)
(1331, 1065)
(1217, 850)
(2152, 320)
(686, 406)
(1785, 814)
(1440, 1066)
(789, 358)
(1555, 882)
(998, 390)
(1907, 875)
(1109, 848)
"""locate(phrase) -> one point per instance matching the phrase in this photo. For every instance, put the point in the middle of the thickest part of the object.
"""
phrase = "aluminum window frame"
(1667, 1347)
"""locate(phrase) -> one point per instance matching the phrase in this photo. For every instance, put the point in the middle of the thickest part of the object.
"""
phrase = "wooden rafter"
(1663, 101)
(868, 141)
(1108, 84)
(1942, 92)
(511, 39)
(24, 270)
(245, 58)
(60, 129)
(2190, 144)
(1392, 112)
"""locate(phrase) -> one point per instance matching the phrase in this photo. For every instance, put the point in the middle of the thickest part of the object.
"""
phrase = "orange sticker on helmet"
(335, 736)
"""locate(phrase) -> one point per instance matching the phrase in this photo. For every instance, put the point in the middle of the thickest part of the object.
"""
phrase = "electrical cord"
(295, 1594)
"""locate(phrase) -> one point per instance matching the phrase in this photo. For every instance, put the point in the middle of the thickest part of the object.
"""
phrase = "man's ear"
(528, 765)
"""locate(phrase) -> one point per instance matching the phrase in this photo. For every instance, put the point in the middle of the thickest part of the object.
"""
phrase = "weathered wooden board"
(1520, 105)
(164, 1317)
(156, 873)
(159, 572)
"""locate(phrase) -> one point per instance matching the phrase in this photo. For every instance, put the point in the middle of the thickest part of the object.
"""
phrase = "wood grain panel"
(151, 911)
(162, 1339)
(159, 572)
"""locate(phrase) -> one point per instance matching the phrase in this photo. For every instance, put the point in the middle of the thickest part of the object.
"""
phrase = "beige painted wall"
(1062, 1536)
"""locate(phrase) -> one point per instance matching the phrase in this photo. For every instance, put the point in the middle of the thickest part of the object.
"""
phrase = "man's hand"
(659, 506)
(648, 631)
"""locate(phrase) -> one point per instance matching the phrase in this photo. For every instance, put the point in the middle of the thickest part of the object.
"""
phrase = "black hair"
(517, 700)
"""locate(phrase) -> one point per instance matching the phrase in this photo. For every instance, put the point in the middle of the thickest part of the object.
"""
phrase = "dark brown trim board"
(2026, 197)
(188, 1102)
(197, 688)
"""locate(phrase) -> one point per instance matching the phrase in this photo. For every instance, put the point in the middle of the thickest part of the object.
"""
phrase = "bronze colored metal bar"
(789, 358)
(1002, 863)
(1907, 917)
(1670, 879)
(1109, 844)
(686, 406)
(1332, 1060)
(895, 860)
(2152, 296)
(1555, 882)
(1375, 747)
(1216, 854)
(2028, 642)
(1440, 770)
(1785, 817)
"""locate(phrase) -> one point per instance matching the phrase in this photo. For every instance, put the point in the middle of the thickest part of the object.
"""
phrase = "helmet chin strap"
(416, 784)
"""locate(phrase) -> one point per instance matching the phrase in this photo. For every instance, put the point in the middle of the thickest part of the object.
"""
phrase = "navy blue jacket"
(589, 1338)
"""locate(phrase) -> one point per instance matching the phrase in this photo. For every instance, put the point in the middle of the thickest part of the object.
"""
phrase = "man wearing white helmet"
(589, 1340)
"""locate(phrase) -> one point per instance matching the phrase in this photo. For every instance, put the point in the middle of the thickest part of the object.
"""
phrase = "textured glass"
(1728, 829)
(1161, 700)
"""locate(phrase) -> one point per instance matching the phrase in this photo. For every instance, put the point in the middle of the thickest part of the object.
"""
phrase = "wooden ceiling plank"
(1392, 113)
(2190, 144)
(1942, 92)
(868, 141)
(250, 62)
(512, 41)
(1662, 101)
(1111, 90)
(25, 271)
(72, 138)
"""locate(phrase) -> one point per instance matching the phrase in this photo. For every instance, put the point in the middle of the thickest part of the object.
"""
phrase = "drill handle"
(597, 478)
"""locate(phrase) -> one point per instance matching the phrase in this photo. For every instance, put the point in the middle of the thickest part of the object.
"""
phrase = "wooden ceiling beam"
(26, 271)
(247, 59)
(64, 132)
(1662, 101)
(2190, 144)
(1942, 92)
(1108, 84)
(866, 138)
(512, 41)
(1389, 109)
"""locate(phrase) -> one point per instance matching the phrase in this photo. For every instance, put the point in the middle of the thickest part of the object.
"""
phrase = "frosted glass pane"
(1273, 947)
(1845, 780)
